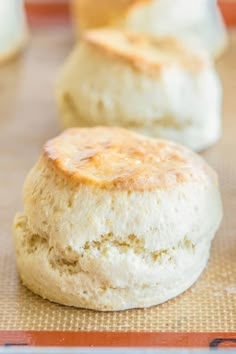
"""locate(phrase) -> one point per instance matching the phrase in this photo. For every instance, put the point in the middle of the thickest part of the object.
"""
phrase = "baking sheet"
(28, 117)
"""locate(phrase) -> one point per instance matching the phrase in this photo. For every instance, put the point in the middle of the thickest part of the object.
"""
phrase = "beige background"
(28, 117)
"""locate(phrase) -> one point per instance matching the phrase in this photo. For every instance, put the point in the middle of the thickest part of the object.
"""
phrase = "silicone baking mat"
(28, 117)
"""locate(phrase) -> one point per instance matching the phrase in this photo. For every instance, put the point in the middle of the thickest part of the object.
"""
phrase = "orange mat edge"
(118, 339)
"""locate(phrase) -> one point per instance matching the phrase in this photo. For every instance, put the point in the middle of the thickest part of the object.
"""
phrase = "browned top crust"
(101, 13)
(116, 158)
(146, 53)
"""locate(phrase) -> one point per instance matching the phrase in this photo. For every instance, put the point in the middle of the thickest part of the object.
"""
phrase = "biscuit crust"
(103, 12)
(116, 158)
(145, 53)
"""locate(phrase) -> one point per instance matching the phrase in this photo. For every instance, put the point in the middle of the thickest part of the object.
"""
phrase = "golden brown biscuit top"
(101, 13)
(116, 158)
(145, 53)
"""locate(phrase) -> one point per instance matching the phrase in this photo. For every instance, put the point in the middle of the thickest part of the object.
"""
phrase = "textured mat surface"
(28, 117)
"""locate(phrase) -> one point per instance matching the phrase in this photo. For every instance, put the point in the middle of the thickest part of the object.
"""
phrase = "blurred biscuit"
(13, 29)
(197, 22)
(155, 86)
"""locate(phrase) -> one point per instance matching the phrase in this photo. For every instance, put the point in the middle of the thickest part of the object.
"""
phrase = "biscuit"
(197, 22)
(114, 220)
(13, 29)
(155, 86)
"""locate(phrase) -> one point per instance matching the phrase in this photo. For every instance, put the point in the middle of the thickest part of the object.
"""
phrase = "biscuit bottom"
(189, 133)
(109, 276)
